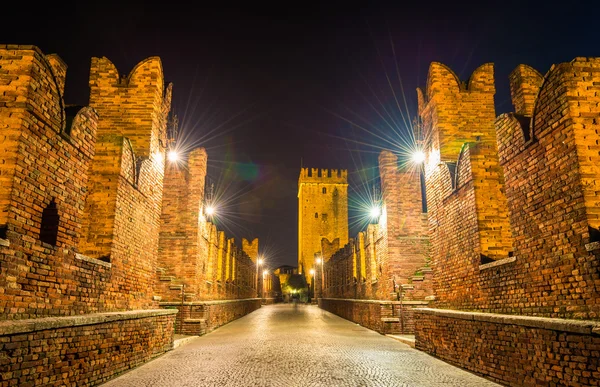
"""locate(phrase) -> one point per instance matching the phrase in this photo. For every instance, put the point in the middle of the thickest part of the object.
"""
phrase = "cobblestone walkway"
(304, 346)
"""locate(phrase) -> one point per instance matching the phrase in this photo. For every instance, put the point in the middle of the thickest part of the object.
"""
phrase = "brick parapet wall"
(543, 177)
(385, 317)
(548, 151)
(84, 350)
(558, 351)
(201, 317)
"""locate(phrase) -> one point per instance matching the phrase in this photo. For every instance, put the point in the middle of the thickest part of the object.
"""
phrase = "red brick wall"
(551, 185)
(83, 355)
(125, 195)
(50, 152)
(197, 260)
(512, 351)
(403, 223)
(548, 151)
(199, 318)
(385, 317)
(467, 207)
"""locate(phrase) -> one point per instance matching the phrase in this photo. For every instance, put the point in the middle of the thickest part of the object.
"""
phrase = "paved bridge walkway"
(302, 345)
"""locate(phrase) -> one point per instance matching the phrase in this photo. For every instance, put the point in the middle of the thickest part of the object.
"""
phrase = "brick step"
(194, 321)
(407, 287)
(166, 278)
(426, 269)
(417, 278)
(188, 296)
(176, 287)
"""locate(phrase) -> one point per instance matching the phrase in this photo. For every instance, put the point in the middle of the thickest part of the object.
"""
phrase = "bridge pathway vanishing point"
(296, 345)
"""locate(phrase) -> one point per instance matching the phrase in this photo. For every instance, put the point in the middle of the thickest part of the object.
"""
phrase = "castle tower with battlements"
(322, 212)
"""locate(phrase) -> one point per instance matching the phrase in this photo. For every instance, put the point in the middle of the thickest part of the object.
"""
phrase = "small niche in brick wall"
(594, 234)
(49, 227)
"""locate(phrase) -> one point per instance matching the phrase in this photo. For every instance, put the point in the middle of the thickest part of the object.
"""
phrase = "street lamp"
(375, 212)
(263, 283)
(173, 156)
(258, 263)
(418, 157)
(210, 210)
(321, 262)
(312, 282)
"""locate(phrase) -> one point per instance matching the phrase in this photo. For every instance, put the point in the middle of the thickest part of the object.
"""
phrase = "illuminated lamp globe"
(173, 156)
(375, 212)
(265, 273)
(418, 157)
(210, 210)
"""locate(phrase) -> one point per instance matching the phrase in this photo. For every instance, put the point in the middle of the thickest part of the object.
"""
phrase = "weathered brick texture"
(549, 154)
(201, 317)
(81, 351)
(197, 262)
(512, 351)
(467, 208)
(72, 183)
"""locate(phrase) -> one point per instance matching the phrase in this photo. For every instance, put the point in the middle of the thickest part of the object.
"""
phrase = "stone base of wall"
(82, 350)
(200, 317)
(513, 350)
(385, 317)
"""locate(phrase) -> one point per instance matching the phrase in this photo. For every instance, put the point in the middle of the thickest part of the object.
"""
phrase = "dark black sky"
(266, 87)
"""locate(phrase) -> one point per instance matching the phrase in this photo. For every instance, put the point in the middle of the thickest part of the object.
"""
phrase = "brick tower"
(322, 212)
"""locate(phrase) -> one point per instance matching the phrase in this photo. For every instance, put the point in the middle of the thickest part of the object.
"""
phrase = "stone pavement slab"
(296, 345)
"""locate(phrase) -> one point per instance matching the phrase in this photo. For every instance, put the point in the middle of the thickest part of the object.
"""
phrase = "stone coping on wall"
(384, 302)
(11, 327)
(213, 302)
(92, 260)
(592, 246)
(556, 324)
(497, 263)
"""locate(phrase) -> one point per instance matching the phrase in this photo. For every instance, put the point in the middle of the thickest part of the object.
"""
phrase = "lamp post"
(312, 283)
(263, 283)
(258, 263)
(320, 261)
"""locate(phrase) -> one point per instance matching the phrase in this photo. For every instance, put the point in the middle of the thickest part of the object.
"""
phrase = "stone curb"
(406, 339)
(379, 301)
(216, 302)
(13, 327)
(555, 324)
(183, 340)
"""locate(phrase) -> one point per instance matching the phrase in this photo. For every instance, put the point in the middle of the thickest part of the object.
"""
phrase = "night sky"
(266, 89)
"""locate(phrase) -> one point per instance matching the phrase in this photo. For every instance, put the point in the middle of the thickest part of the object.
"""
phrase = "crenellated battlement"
(464, 112)
(142, 91)
(60, 143)
(324, 176)
(250, 248)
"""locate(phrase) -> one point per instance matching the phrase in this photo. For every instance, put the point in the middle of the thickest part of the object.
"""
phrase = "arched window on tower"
(49, 226)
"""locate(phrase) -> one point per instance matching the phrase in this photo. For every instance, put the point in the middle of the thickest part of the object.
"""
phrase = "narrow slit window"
(316, 214)
(49, 226)
(324, 190)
